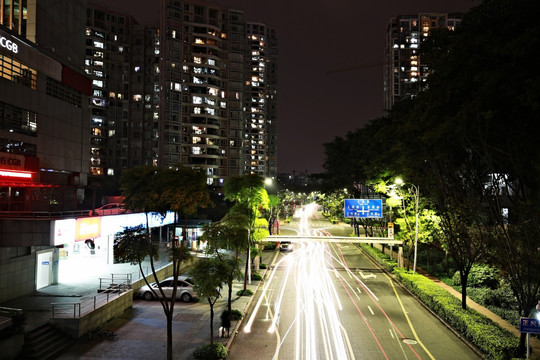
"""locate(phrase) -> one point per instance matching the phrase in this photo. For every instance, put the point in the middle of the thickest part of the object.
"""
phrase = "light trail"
(316, 325)
(346, 267)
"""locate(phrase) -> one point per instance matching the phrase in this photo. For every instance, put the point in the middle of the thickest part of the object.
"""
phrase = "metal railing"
(116, 285)
(43, 214)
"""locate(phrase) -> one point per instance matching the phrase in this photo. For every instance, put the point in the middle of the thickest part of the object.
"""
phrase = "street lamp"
(416, 194)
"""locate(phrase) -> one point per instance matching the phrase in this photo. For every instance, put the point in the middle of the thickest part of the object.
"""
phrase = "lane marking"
(371, 310)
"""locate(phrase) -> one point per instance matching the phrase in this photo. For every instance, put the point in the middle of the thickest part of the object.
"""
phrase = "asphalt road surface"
(330, 301)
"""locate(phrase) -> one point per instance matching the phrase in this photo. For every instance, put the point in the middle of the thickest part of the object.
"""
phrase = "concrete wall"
(17, 273)
(77, 327)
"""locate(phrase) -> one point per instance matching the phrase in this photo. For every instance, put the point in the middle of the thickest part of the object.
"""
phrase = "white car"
(184, 290)
(286, 246)
(108, 209)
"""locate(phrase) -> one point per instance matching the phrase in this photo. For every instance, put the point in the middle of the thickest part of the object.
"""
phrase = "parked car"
(286, 246)
(108, 209)
(184, 291)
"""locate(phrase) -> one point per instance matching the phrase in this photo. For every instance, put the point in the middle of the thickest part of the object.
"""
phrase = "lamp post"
(416, 194)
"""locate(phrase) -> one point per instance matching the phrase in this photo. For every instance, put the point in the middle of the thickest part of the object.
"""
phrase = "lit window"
(197, 100)
(99, 44)
(137, 97)
(199, 41)
(196, 150)
(211, 62)
(196, 110)
(97, 83)
(196, 59)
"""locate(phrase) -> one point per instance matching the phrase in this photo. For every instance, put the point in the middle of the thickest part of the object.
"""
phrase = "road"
(330, 301)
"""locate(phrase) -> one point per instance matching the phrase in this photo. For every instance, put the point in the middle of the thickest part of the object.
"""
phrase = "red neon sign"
(16, 174)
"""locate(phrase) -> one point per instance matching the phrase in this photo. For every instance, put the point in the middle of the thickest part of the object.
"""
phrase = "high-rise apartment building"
(107, 64)
(261, 100)
(182, 91)
(405, 72)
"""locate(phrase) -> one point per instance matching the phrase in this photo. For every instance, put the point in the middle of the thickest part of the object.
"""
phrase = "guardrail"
(43, 214)
(116, 285)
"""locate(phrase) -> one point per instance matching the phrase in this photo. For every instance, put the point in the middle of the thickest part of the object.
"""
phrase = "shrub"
(481, 275)
(236, 314)
(215, 351)
(256, 276)
(246, 292)
(270, 245)
(262, 266)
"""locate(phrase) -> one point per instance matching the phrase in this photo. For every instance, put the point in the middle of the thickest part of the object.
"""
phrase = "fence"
(109, 289)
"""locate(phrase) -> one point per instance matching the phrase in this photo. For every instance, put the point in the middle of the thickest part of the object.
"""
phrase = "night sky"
(316, 37)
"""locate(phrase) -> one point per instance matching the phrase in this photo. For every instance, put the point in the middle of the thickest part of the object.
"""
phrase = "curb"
(239, 323)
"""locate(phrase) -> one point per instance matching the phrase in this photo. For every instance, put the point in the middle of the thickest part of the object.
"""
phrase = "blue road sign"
(529, 325)
(363, 208)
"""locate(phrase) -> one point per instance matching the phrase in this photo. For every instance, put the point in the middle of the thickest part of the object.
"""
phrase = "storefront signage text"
(8, 44)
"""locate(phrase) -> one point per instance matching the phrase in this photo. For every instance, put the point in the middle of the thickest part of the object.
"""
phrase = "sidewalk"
(142, 330)
(534, 342)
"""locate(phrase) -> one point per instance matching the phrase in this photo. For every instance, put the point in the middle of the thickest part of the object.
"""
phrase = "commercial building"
(405, 72)
(44, 124)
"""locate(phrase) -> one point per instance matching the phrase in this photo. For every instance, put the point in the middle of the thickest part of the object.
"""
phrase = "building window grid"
(63, 92)
(15, 71)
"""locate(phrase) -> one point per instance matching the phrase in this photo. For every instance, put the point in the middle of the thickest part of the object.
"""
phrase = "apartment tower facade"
(182, 90)
(405, 73)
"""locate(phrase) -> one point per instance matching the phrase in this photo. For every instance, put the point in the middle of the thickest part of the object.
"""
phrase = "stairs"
(44, 343)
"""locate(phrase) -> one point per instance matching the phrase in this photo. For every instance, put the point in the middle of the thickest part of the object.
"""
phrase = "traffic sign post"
(529, 325)
(363, 208)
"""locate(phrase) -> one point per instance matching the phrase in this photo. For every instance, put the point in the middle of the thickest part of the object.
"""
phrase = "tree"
(231, 233)
(154, 190)
(249, 194)
(209, 275)
(272, 213)
(131, 246)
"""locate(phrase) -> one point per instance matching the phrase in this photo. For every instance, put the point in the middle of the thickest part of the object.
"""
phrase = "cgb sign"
(9, 44)
(11, 161)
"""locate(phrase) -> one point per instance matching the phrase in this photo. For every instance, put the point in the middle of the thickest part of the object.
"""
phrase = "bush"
(262, 266)
(270, 245)
(246, 292)
(236, 314)
(481, 275)
(215, 351)
(256, 276)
